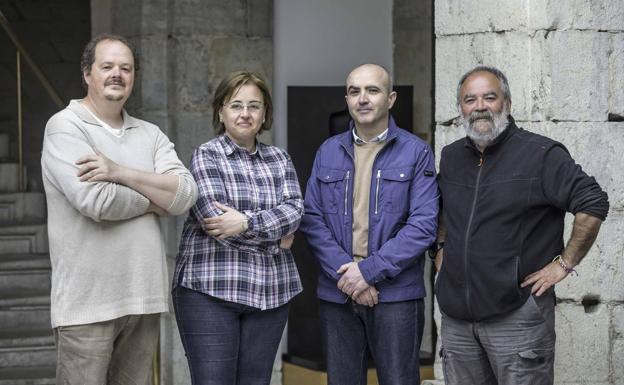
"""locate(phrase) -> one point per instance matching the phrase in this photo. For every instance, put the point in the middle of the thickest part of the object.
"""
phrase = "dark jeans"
(392, 331)
(227, 343)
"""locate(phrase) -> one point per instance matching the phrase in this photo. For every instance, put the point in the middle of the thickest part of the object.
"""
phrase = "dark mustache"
(115, 81)
(480, 115)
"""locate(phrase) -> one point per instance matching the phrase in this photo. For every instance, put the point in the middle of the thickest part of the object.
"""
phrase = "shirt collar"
(230, 147)
(86, 116)
(379, 138)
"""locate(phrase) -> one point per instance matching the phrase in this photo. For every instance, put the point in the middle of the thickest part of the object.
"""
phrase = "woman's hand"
(228, 224)
(287, 241)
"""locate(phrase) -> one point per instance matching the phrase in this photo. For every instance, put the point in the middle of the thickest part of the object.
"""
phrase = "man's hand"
(228, 224)
(438, 259)
(369, 297)
(544, 278)
(287, 241)
(352, 282)
(156, 210)
(97, 167)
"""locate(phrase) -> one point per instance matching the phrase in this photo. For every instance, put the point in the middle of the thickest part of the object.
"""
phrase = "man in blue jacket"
(505, 192)
(370, 213)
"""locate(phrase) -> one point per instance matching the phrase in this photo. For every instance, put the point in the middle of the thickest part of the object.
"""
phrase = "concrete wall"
(564, 61)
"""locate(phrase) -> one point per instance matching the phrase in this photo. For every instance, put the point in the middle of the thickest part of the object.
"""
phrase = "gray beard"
(483, 139)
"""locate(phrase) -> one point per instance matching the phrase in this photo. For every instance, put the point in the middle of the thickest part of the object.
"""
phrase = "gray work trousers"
(517, 348)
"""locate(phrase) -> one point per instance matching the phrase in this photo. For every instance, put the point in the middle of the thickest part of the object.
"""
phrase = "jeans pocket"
(535, 367)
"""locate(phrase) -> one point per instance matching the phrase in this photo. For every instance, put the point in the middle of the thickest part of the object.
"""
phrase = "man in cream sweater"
(107, 178)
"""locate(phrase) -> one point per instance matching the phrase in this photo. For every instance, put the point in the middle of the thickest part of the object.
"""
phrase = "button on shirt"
(250, 268)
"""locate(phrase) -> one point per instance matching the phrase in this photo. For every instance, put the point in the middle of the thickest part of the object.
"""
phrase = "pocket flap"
(398, 174)
(329, 175)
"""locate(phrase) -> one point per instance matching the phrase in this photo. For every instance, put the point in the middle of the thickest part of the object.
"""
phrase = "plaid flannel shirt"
(249, 268)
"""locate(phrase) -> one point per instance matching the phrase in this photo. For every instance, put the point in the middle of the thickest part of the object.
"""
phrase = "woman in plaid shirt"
(235, 273)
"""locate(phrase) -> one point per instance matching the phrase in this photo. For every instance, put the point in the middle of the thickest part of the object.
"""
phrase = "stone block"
(445, 135)
(456, 55)
(582, 349)
(152, 75)
(193, 80)
(192, 130)
(232, 54)
(617, 335)
(606, 15)
(209, 17)
(454, 17)
(616, 75)
(155, 15)
(579, 75)
(260, 18)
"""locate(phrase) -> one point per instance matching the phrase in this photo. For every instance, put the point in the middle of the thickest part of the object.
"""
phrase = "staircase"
(27, 353)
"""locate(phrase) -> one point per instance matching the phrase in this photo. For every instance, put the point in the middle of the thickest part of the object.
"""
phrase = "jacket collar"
(507, 133)
(83, 114)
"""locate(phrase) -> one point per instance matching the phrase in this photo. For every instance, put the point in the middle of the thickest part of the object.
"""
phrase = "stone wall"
(565, 64)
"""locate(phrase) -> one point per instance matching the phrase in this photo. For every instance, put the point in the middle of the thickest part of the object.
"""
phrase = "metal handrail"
(22, 53)
(33, 66)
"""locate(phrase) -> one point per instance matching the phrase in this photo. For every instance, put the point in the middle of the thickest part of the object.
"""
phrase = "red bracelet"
(564, 265)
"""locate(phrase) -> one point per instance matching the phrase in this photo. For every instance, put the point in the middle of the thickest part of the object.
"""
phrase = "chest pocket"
(334, 185)
(394, 186)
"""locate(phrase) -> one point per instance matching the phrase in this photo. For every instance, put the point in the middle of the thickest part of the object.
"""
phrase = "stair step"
(26, 338)
(8, 177)
(22, 208)
(33, 375)
(16, 281)
(27, 356)
(25, 316)
(21, 298)
(23, 238)
(16, 261)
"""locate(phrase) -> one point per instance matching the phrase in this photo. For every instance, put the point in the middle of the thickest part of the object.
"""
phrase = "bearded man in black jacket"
(500, 249)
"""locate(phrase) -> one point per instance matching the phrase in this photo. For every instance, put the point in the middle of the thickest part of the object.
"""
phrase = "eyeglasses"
(238, 107)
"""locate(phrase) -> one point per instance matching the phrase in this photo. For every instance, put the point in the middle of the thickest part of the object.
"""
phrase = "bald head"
(375, 69)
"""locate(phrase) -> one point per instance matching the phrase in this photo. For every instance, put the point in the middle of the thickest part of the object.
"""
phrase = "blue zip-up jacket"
(403, 213)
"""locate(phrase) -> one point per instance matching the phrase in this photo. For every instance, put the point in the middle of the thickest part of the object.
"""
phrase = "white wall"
(317, 43)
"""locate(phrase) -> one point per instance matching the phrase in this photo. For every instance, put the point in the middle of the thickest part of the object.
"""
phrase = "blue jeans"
(392, 331)
(227, 343)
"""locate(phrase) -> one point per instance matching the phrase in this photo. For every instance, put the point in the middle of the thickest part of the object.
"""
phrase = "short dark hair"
(229, 86)
(494, 71)
(88, 55)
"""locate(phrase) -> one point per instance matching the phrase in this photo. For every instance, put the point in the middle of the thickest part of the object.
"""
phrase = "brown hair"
(88, 55)
(229, 86)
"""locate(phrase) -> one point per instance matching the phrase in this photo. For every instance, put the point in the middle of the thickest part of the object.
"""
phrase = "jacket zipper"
(377, 191)
(472, 211)
(346, 192)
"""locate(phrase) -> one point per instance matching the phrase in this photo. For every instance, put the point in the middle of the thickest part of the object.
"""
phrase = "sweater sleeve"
(62, 146)
(569, 188)
(166, 161)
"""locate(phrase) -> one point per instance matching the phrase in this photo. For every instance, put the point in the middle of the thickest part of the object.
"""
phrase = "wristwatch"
(433, 250)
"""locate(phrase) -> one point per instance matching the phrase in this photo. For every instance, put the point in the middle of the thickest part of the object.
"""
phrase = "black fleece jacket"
(504, 212)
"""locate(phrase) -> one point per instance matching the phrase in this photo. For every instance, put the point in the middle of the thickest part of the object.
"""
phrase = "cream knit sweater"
(108, 255)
